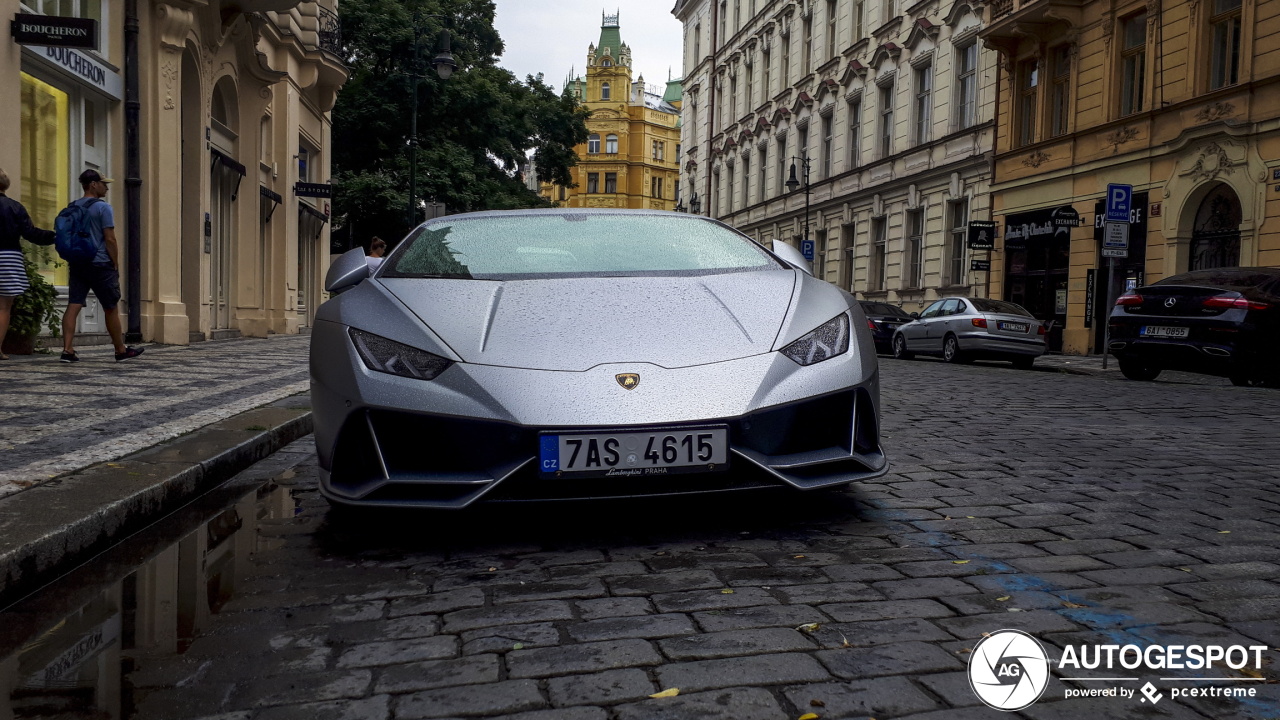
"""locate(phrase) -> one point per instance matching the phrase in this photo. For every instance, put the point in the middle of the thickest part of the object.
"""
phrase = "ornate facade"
(233, 130)
(1176, 99)
(892, 107)
(630, 158)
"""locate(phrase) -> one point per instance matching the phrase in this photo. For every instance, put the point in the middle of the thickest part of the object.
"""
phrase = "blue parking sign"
(806, 249)
(1119, 200)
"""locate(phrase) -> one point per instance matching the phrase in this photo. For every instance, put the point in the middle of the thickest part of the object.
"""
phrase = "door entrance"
(1215, 239)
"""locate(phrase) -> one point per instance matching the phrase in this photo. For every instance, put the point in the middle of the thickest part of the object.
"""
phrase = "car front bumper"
(472, 433)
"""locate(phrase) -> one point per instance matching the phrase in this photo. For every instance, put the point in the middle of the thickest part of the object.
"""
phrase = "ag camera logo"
(1008, 670)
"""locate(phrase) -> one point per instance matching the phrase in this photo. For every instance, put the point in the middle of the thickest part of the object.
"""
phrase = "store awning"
(310, 222)
(269, 201)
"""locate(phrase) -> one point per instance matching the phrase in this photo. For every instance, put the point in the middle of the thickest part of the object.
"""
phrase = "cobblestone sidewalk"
(57, 417)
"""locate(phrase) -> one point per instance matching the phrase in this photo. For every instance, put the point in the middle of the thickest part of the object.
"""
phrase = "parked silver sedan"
(962, 329)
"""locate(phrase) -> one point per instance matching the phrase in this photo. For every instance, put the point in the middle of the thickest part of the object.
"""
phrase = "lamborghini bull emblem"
(628, 381)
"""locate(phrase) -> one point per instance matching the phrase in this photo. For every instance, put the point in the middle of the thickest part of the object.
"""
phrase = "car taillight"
(1129, 299)
(871, 324)
(979, 322)
(1228, 301)
(1040, 330)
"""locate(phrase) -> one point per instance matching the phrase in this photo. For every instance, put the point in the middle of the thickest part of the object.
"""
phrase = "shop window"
(1224, 58)
(1133, 63)
(44, 144)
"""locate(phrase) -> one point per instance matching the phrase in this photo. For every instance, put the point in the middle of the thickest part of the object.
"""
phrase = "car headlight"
(828, 340)
(393, 358)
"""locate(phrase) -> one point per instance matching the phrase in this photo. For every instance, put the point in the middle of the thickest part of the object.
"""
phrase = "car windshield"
(884, 309)
(553, 245)
(998, 306)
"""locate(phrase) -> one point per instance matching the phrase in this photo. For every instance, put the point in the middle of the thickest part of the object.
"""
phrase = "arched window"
(606, 63)
(593, 143)
(604, 91)
(611, 144)
(1215, 238)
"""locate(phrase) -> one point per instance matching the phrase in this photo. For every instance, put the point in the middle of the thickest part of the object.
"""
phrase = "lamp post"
(444, 65)
(793, 183)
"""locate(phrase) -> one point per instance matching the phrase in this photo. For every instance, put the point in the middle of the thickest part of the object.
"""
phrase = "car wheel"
(900, 348)
(951, 350)
(1137, 371)
(1024, 363)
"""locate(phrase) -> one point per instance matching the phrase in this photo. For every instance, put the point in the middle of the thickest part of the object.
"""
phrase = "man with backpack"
(85, 237)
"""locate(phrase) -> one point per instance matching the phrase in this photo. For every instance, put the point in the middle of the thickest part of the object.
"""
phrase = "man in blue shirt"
(101, 275)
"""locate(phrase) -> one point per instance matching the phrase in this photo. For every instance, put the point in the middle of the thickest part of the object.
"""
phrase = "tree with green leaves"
(474, 129)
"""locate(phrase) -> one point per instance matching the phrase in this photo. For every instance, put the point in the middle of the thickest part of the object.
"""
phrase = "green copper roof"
(675, 91)
(610, 37)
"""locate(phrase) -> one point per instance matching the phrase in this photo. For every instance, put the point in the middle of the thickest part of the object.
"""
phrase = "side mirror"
(349, 270)
(915, 316)
(791, 256)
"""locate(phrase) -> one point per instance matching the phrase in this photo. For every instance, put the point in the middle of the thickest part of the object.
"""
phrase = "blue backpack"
(73, 233)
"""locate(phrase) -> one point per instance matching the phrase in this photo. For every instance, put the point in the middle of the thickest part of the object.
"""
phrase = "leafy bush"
(37, 308)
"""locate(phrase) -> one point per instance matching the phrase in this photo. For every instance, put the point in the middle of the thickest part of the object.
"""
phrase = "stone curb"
(50, 528)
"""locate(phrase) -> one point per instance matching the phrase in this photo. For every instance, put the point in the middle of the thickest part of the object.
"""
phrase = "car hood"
(574, 324)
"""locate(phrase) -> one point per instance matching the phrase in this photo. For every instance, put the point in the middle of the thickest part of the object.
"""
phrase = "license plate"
(657, 452)
(1013, 327)
(1168, 331)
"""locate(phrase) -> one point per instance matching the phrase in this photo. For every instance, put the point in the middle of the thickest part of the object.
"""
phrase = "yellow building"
(1176, 99)
(631, 158)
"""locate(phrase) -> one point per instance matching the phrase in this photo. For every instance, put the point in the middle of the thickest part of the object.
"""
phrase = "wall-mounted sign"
(81, 67)
(1090, 294)
(981, 265)
(982, 234)
(53, 31)
(316, 190)
(1155, 210)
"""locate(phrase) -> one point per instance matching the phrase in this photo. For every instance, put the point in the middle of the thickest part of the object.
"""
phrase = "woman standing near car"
(15, 223)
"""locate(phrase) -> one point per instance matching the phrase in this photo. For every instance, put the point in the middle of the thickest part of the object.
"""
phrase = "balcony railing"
(330, 31)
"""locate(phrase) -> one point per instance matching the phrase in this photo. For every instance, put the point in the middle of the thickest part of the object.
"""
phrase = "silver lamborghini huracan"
(573, 354)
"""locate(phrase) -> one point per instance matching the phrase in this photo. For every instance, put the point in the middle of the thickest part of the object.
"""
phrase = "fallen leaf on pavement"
(726, 591)
(1069, 604)
(493, 569)
(518, 646)
(798, 557)
(809, 627)
(669, 692)
(1224, 532)
(1002, 599)
(809, 716)
(817, 703)
(959, 562)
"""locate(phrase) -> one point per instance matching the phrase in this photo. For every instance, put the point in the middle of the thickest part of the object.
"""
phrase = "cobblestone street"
(1079, 509)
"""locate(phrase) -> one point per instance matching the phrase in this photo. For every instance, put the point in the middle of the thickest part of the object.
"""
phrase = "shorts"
(103, 281)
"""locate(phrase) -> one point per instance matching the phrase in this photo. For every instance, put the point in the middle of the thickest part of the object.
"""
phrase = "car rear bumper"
(997, 345)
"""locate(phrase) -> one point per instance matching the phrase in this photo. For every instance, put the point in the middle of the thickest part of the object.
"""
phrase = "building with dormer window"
(630, 157)
(892, 105)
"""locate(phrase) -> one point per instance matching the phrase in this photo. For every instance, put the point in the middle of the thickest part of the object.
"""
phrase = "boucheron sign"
(52, 31)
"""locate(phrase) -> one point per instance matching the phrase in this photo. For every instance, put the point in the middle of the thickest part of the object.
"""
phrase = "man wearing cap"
(101, 275)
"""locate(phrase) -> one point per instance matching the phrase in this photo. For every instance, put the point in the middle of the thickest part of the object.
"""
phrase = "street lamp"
(444, 65)
(793, 183)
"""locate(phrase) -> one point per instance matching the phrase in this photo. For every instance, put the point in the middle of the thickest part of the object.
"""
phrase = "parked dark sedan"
(1223, 322)
(883, 319)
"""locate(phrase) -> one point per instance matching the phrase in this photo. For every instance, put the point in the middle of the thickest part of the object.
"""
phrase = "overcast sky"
(552, 37)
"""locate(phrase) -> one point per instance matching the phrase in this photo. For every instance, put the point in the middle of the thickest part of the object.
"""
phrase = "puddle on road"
(66, 651)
